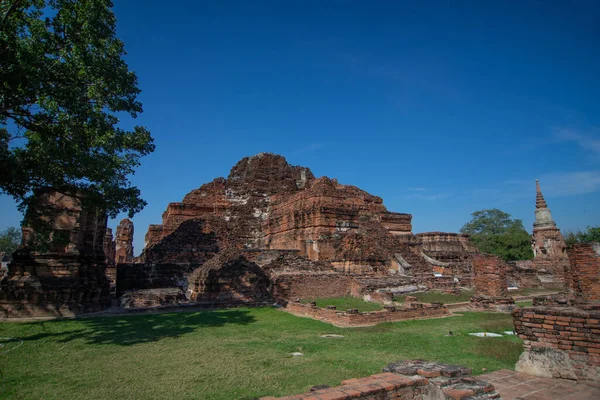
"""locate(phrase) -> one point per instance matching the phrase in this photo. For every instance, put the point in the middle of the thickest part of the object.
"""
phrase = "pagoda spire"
(540, 202)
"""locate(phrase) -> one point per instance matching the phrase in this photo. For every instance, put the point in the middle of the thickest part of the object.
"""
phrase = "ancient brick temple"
(63, 273)
(268, 230)
(267, 207)
(549, 248)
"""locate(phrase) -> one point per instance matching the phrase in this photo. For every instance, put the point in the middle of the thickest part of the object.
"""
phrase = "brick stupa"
(549, 248)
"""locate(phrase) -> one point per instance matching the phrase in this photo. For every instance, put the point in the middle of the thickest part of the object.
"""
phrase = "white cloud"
(586, 142)
(310, 147)
(570, 183)
(417, 189)
(429, 197)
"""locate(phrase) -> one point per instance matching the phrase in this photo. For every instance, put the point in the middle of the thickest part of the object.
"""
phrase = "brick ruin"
(411, 379)
(124, 242)
(61, 273)
(490, 278)
(562, 333)
(304, 232)
(286, 234)
(549, 248)
(353, 317)
(583, 274)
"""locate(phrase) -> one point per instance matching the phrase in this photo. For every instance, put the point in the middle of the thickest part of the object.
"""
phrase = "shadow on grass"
(130, 330)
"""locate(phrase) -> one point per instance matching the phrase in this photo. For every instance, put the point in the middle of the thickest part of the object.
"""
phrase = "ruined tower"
(124, 242)
(549, 248)
(62, 273)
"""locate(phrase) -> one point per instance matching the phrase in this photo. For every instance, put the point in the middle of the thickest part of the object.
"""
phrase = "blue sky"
(440, 108)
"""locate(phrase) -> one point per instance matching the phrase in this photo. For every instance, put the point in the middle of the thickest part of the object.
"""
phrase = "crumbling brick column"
(583, 278)
(489, 276)
(124, 242)
(63, 276)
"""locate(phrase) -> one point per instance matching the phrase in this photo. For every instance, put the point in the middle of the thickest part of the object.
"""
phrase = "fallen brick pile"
(414, 380)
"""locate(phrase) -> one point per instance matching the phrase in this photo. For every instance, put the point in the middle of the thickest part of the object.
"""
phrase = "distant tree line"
(10, 239)
(590, 234)
(495, 232)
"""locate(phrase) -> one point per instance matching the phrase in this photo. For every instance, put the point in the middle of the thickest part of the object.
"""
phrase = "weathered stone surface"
(67, 278)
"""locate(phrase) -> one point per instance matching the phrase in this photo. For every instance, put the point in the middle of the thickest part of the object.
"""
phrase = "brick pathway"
(514, 385)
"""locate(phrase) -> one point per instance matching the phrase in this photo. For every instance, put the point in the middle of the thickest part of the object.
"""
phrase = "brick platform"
(355, 318)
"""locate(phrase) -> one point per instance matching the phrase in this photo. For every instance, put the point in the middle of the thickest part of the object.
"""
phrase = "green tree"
(63, 84)
(10, 239)
(495, 232)
(590, 234)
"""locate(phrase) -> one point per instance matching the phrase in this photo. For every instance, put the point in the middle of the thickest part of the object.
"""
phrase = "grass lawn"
(524, 303)
(465, 295)
(533, 291)
(344, 303)
(229, 354)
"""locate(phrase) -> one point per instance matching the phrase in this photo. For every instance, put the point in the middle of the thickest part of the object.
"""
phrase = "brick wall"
(489, 276)
(583, 277)
(145, 276)
(355, 318)
(307, 285)
(559, 342)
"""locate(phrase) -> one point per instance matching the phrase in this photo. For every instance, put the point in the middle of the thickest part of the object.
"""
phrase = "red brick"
(458, 394)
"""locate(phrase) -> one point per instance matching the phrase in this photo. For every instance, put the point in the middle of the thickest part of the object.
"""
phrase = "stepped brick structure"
(549, 248)
(124, 242)
(266, 205)
(67, 276)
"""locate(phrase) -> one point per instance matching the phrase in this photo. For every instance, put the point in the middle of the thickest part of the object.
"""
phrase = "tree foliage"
(10, 239)
(495, 232)
(63, 84)
(590, 234)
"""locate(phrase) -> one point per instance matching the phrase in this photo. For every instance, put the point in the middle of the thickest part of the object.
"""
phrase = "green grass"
(524, 303)
(438, 297)
(465, 295)
(533, 291)
(344, 303)
(229, 354)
